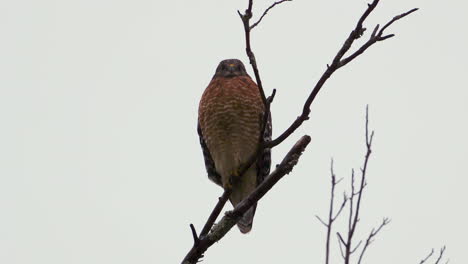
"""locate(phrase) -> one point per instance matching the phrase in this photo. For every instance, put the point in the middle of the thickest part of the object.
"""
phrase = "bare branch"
(426, 258)
(363, 173)
(395, 19)
(337, 63)
(355, 205)
(321, 221)
(376, 36)
(441, 254)
(266, 11)
(439, 258)
(372, 234)
(343, 204)
(341, 238)
(356, 247)
(194, 234)
(248, 49)
(215, 213)
(331, 219)
(340, 243)
(351, 202)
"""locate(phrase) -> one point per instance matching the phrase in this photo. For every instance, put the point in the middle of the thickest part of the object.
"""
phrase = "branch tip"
(196, 240)
(271, 97)
(266, 11)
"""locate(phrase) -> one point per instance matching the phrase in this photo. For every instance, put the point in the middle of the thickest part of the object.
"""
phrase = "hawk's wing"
(209, 163)
(264, 161)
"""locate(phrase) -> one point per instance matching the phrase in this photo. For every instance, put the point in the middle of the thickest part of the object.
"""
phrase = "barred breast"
(230, 114)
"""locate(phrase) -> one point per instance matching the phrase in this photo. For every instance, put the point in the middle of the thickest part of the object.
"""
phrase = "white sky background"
(99, 155)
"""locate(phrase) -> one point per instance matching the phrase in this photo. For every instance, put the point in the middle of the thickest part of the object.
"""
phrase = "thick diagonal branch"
(231, 218)
(215, 213)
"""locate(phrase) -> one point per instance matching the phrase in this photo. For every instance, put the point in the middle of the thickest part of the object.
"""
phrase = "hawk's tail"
(245, 223)
(246, 185)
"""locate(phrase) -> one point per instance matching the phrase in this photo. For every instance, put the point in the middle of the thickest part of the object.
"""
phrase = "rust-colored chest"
(230, 112)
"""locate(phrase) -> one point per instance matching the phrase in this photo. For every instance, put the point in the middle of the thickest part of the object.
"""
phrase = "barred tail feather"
(242, 190)
(245, 223)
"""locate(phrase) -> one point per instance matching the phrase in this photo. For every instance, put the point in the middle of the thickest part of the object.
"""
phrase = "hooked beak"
(231, 68)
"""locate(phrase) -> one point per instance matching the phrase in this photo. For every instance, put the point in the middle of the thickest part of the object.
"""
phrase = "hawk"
(230, 117)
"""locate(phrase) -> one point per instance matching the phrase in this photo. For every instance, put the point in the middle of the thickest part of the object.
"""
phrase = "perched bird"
(230, 117)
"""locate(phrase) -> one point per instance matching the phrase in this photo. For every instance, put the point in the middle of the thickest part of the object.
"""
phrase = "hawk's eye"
(223, 67)
(239, 68)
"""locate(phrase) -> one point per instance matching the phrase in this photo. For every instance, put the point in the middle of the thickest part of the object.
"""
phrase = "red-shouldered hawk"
(230, 118)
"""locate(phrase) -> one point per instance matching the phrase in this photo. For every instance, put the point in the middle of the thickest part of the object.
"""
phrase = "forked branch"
(439, 258)
(339, 62)
(332, 216)
(353, 203)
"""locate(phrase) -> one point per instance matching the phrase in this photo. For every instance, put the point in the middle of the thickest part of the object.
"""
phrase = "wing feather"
(209, 163)
(264, 161)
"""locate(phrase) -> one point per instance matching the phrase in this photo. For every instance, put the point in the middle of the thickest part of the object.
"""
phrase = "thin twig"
(375, 37)
(441, 254)
(439, 258)
(341, 238)
(194, 234)
(266, 11)
(330, 213)
(342, 206)
(426, 258)
(331, 218)
(248, 49)
(356, 247)
(340, 243)
(215, 213)
(372, 234)
(355, 205)
(321, 221)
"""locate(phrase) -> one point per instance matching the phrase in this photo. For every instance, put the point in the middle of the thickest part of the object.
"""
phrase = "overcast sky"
(99, 155)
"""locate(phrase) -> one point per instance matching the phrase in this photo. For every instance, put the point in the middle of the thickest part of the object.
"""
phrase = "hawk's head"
(230, 68)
